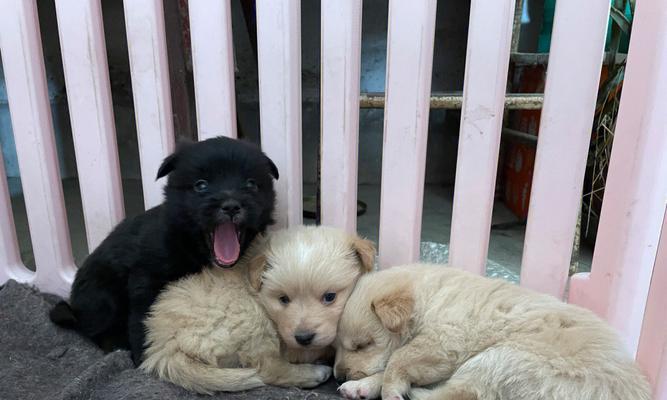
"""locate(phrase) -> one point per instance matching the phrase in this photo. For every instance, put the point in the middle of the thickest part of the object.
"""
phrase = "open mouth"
(226, 240)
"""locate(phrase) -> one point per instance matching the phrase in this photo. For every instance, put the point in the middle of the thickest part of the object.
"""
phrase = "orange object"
(520, 157)
(518, 178)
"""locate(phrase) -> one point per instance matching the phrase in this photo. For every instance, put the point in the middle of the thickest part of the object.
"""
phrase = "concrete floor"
(507, 233)
(505, 248)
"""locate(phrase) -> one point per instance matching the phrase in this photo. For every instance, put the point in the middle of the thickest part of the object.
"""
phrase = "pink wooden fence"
(575, 62)
(487, 62)
(628, 281)
(341, 61)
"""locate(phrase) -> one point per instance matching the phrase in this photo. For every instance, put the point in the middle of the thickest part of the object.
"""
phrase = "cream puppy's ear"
(394, 308)
(256, 268)
(365, 250)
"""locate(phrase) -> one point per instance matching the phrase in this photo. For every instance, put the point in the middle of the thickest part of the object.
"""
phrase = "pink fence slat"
(341, 59)
(408, 85)
(279, 56)
(636, 189)
(660, 388)
(652, 353)
(144, 22)
(21, 48)
(487, 62)
(213, 65)
(89, 99)
(11, 266)
(573, 76)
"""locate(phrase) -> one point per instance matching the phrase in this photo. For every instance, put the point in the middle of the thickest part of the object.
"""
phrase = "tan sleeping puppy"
(485, 339)
(211, 331)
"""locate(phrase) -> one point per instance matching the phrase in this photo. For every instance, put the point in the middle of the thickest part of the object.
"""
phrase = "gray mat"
(41, 361)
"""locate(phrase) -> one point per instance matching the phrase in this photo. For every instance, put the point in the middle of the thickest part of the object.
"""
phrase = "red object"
(520, 157)
(518, 172)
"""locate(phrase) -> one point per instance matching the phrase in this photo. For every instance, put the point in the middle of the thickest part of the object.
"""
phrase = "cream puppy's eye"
(284, 299)
(328, 298)
(361, 346)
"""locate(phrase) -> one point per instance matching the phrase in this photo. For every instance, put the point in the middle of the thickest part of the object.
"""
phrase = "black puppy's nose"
(231, 207)
(304, 338)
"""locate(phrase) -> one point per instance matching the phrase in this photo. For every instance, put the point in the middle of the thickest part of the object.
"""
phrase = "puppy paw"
(354, 390)
(324, 372)
(363, 389)
(394, 396)
(317, 375)
(391, 395)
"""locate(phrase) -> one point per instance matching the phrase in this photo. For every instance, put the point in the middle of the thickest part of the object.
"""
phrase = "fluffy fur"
(304, 266)
(485, 339)
(215, 183)
(218, 330)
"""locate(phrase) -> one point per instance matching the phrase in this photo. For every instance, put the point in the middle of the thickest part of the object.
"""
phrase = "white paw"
(312, 375)
(357, 390)
(392, 396)
(323, 372)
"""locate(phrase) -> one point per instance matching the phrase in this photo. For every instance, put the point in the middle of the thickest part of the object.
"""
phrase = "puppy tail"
(63, 315)
(197, 376)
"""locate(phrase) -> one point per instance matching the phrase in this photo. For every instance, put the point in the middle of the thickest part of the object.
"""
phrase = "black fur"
(119, 281)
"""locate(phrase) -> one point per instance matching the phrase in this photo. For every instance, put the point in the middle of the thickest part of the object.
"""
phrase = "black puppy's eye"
(328, 298)
(250, 184)
(200, 186)
(284, 299)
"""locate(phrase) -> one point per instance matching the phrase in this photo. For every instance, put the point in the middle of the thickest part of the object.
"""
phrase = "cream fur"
(475, 338)
(304, 264)
(211, 332)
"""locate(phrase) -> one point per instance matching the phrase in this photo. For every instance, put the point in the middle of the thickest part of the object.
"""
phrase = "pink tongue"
(226, 244)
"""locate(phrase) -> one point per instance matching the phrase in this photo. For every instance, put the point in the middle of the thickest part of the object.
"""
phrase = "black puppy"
(219, 196)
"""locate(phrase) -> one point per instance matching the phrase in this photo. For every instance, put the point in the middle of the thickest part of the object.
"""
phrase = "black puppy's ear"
(272, 167)
(169, 163)
(167, 166)
(183, 141)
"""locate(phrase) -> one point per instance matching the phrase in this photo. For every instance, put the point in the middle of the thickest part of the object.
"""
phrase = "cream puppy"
(307, 274)
(211, 331)
(476, 339)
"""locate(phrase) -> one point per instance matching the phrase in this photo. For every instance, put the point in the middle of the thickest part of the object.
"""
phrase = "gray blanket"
(41, 361)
